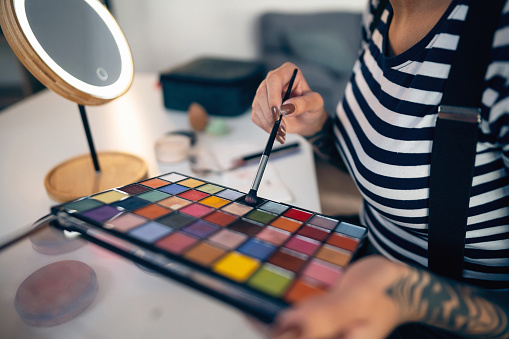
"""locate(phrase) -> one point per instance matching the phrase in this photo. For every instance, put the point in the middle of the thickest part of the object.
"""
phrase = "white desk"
(44, 130)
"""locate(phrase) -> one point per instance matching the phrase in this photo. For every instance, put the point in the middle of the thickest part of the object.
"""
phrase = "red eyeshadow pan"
(312, 232)
(193, 195)
(297, 214)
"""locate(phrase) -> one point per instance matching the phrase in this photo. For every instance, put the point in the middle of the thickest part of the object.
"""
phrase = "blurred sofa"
(324, 45)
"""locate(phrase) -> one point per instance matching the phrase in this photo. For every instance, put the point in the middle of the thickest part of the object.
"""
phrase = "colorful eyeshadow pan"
(236, 266)
(323, 272)
(125, 222)
(173, 189)
(287, 259)
(324, 222)
(286, 224)
(82, 205)
(174, 203)
(204, 254)
(109, 196)
(343, 241)
(172, 177)
(313, 232)
(350, 230)
(150, 232)
(273, 235)
(237, 209)
(246, 227)
(131, 203)
(153, 196)
(193, 195)
(102, 213)
(230, 194)
(196, 210)
(302, 244)
(259, 258)
(220, 218)
(175, 220)
(200, 229)
(209, 188)
(271, 280)
(134, 189)
(191, 183)
(152, 211)
(297, 214)
(303, 289)
(273, 207)
(257, 249)
(228, 238)
(176, 242)
(334, 255)
(155, 183)
(214, 202)
(260, 216)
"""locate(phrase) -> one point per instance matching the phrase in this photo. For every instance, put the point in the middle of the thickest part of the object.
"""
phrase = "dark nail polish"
(275, 112)
(287, 109)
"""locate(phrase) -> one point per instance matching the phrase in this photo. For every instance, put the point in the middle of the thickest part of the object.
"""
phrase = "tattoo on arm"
(451, 305)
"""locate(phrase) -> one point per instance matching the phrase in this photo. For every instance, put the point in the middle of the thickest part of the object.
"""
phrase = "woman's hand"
(304, 113)
(359, 307)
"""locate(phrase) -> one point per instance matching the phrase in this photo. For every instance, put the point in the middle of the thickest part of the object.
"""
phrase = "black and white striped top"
(384, 129)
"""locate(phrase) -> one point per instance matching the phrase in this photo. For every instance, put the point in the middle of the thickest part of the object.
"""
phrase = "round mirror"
(74, 47)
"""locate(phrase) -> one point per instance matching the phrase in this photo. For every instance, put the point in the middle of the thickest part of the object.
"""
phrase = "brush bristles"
(251, 197)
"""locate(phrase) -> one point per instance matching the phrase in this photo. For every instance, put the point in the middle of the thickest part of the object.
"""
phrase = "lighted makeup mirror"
(76, 49)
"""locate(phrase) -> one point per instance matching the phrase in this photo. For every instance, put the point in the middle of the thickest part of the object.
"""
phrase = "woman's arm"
(376, 295)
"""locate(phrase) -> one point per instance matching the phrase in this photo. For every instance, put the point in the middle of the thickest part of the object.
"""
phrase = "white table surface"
(44, 130)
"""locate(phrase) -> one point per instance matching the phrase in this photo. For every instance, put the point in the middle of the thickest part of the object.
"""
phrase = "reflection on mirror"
(77, 49)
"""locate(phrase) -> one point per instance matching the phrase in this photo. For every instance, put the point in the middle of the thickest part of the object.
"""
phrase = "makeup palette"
(260, 258)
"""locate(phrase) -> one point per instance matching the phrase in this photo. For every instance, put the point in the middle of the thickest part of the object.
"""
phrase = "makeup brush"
(251, 198)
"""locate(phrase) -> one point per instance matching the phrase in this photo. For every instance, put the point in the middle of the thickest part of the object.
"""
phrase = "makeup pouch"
(223, 87)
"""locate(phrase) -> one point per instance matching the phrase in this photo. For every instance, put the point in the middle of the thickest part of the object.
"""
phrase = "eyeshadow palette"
(260, 258)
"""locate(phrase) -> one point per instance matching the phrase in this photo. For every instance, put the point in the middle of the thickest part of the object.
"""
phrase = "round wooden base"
(77, 177)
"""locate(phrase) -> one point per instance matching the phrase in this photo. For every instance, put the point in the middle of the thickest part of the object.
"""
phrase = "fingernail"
(275, 112)
(287, 109)
(292, 332)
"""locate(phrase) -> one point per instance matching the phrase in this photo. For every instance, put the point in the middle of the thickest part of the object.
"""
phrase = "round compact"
(56, 293)
(52, 241)
(173, 148)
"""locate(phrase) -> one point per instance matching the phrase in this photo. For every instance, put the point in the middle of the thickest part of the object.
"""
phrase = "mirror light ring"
(102, 92)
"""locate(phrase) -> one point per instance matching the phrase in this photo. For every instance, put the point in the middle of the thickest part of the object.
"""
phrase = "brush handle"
(265, 156)
(272, 137)
(259, 172)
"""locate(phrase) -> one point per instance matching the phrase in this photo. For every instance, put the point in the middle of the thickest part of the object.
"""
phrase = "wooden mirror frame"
(31, 54)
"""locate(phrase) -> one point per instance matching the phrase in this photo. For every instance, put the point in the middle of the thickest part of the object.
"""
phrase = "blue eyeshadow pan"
(351, 230)
(230, 194)
(173, 189)
(257, 249)
(150, 232)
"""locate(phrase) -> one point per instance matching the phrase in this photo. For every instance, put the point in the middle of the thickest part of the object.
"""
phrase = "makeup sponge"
(56, 293)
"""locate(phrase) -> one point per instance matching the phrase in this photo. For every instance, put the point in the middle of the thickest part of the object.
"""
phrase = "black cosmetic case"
(223, 87)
